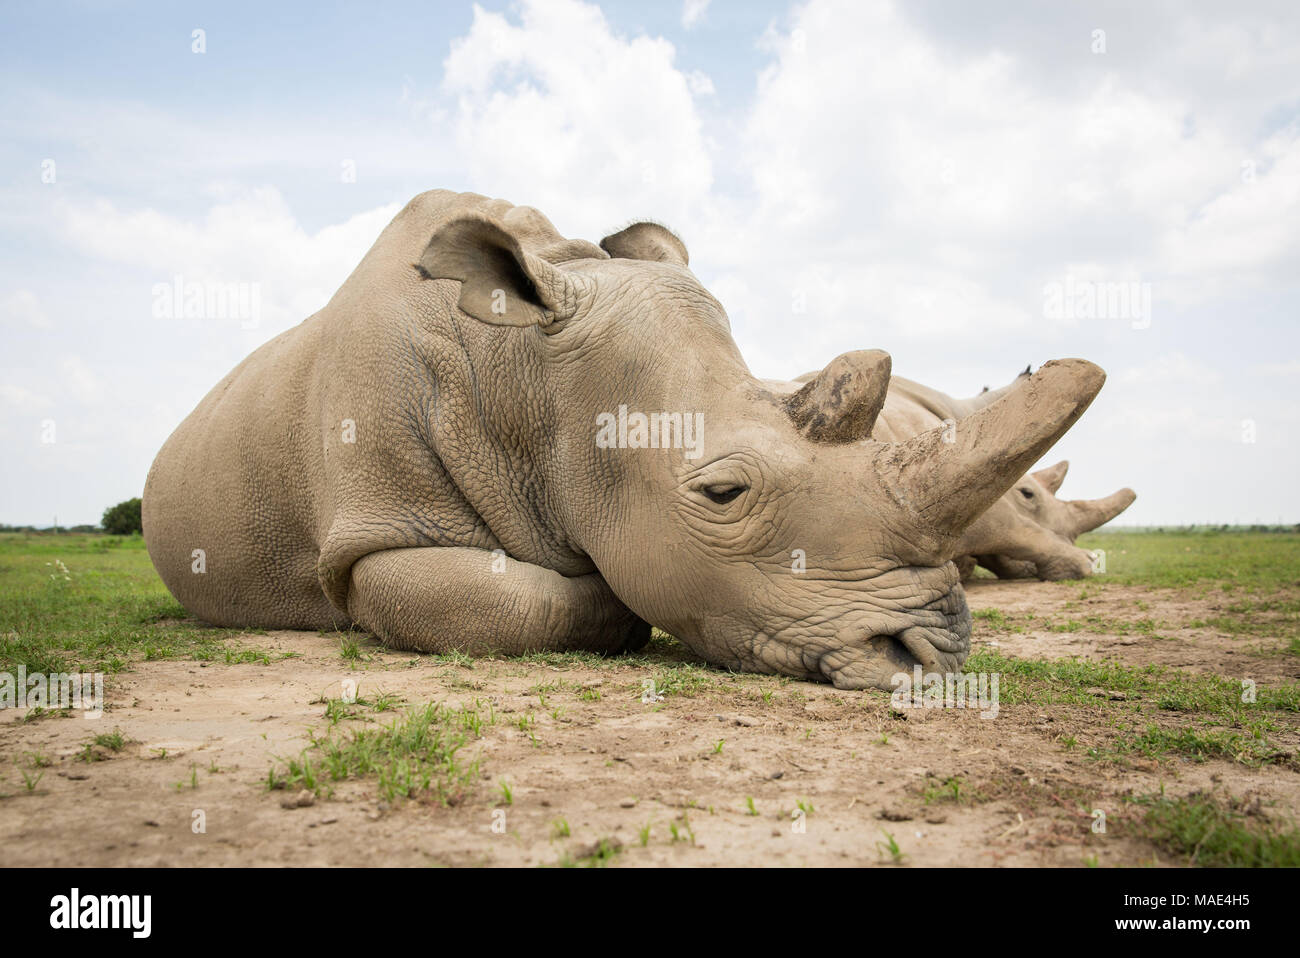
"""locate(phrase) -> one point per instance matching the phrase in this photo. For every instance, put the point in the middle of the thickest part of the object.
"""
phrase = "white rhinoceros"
(1019, 552)
(456, 454)
(1028, 532)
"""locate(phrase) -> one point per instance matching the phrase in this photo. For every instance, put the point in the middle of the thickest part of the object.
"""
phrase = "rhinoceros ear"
(842, 402)
(1053, 476)
(501, 283)
(648, 241)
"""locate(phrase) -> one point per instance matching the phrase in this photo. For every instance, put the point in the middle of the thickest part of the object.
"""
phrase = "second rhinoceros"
(423, 458)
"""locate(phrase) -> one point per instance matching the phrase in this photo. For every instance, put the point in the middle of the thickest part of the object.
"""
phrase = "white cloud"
(250, 238)
(693, 12)
(960, 167)
(24, 309)
(1173, 369)
(561, 113)
(20, 399)
(1289, 368)
(77, 378)
(700, 83)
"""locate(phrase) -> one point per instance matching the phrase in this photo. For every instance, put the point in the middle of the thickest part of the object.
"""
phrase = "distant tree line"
(122, 519)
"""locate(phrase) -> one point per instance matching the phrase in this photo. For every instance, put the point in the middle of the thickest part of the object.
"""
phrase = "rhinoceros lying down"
(1028, 532)
(1022, 550)
(424, 458)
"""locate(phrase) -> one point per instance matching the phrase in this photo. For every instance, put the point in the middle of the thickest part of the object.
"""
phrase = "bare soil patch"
(725, 770)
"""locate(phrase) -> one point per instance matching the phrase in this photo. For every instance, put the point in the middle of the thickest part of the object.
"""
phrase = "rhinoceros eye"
(1027, 493)
(723, 494)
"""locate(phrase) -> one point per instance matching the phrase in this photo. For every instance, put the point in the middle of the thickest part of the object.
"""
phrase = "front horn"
(948, 484)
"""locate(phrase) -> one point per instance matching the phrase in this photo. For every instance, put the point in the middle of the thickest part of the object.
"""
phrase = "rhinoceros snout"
(938, 642)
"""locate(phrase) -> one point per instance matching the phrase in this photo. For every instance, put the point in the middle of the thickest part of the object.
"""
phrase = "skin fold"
(427, 458)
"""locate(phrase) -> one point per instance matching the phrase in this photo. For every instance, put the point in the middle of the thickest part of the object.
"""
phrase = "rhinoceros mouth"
(938, 640)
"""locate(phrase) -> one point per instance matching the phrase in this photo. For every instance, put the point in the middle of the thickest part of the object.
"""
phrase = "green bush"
(123, 518)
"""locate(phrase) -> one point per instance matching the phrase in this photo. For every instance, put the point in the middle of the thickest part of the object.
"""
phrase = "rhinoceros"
(1028, 532)
(1033, 499)
(453, 454)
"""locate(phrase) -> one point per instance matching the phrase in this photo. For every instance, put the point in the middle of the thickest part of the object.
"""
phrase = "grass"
(107, 610)
(683, 680)
(1154, 741)
(1069, 681)
(949, 790)
(1158, 712)
(600, 855)
(1204, 830)
(1171, 558)
(890, 847)
(416, 756)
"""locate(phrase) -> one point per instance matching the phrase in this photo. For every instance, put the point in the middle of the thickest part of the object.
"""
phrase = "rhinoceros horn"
(1088, 514)
(841, 403)
(948, 477)
(1053, 476)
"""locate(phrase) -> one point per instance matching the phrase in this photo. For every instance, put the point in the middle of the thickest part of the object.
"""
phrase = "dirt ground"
(601, 764)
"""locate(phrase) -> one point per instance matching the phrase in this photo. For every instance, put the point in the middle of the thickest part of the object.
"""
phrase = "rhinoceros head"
(1036, 496)
(1035, 530)
(759, 529)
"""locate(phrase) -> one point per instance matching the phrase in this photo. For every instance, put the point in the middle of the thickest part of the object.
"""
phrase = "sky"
(971, 187)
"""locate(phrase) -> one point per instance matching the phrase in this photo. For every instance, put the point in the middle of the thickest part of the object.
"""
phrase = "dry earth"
(201, 738)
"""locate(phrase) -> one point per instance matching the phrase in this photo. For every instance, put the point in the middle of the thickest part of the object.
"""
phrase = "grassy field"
(81, 602)
(94, 603)
(1228, 560)
(90, 603)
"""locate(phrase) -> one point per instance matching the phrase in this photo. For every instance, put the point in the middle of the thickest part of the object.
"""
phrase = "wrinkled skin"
(471, 507)
(1028, 532)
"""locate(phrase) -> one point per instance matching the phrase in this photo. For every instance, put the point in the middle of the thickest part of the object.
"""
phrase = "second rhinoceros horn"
(1088, 514)
(947, 477)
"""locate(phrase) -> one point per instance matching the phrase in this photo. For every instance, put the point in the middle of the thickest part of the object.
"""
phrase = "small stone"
(745, 720)
(627, 803)
(301, 799)
(935, 817)
(895, 813)
(777, 774)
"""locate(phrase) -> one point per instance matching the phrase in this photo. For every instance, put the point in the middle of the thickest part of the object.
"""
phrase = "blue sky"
(915, 176)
